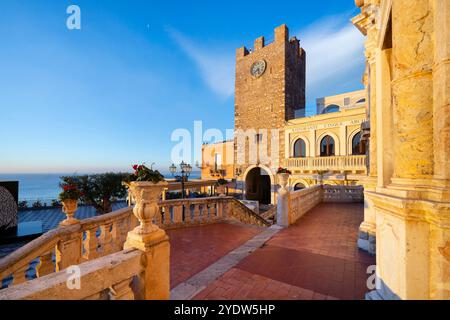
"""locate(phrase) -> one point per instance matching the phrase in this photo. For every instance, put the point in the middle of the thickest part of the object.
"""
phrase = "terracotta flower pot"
(69, 208)
(146, 196)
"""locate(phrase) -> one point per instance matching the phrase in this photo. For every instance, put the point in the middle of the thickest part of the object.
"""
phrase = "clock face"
(257, 69)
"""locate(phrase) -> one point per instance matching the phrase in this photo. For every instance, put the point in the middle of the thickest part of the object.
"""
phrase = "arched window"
(331, 108)
(327, 146)
(299, 186)
(358, 146)
(361, 100)
(299, 149)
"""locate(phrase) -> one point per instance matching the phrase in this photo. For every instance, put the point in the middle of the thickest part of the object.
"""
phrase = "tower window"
(327, 147)
(258, 137)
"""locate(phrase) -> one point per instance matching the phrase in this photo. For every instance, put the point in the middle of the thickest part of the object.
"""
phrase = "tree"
(98, 190)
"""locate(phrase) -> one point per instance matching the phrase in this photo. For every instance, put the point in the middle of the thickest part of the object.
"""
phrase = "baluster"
(106, 239)
(45, 265)
(187, 213)
(167, 219)
(20, 275)
(178, 213)
(219, 210)
(91, 244)
(119, 234)
(214, 211)
(122, 291)
(197, 213)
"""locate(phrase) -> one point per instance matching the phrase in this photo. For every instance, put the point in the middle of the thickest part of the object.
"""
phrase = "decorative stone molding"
(146, 195)
(69, 208)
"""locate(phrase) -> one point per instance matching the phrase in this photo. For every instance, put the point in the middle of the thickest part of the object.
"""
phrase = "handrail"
(351, 162)
(102, 235)
(246, 215)
(82, 237)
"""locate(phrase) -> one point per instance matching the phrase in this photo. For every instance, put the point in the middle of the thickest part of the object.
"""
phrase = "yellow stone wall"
(226, 152)
(408, 46)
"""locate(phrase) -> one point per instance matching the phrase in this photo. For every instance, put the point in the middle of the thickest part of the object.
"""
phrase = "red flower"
(135, 167)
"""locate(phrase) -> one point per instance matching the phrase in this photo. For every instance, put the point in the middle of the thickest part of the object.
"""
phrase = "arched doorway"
(299, 186)
(257, 186)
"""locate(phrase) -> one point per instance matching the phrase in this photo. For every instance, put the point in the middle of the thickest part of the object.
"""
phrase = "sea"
(45, 187)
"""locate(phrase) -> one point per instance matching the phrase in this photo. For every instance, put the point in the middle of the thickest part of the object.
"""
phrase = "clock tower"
(270, 90)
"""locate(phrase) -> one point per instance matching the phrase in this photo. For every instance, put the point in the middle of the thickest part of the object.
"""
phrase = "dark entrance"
(257, 186)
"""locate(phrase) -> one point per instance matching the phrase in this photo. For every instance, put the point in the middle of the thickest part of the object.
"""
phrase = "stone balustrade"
(100, 236)
(67, 245)
(130, 274)
(292, 205)
(337, 163)
(190, 212)
(343, 194)
(301, 201)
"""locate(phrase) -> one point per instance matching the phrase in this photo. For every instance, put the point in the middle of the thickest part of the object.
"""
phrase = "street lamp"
(186, 170)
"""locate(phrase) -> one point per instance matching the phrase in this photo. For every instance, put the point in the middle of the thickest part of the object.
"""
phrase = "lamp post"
(186, 170)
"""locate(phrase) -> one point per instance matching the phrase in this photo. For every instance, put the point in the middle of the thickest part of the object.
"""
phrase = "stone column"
(367, 230)
(403, 233)
(441, 81)
(283, 202)
(412, 88)
(439, 235)
(154, 282)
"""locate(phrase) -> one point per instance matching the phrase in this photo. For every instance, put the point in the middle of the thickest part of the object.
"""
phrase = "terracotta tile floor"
(194, 249)
(317, 258)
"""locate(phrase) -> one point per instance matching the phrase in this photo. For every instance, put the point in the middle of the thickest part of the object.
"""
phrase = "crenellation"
(259, 43)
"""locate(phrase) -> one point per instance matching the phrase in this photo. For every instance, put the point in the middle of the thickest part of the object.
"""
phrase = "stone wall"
(268, 101)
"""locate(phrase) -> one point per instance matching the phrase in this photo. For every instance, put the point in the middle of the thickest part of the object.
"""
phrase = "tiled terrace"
(317, 258)
(194, 249)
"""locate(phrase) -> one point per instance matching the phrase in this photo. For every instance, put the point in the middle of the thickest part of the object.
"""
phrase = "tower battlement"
(281, 37)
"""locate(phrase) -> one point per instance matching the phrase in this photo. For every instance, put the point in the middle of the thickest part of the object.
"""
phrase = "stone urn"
(283, 180)
(222, 190)
(69, 208)
(146, 195)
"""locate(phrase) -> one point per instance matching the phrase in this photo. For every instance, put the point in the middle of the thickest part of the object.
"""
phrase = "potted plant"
(69, 198)
(283, 176)
(222, 187)
(146, 186)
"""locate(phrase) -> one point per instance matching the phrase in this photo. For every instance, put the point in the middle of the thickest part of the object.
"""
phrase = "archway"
(299, 186)
(258, 186)
(327, 147)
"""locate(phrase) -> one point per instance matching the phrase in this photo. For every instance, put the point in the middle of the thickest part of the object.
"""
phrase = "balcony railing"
(338, 163)
(100, 236)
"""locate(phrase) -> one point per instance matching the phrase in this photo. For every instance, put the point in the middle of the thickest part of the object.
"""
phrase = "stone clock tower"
(270, 90)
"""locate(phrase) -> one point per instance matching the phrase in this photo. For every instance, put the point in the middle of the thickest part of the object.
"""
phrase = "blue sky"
(111, 94)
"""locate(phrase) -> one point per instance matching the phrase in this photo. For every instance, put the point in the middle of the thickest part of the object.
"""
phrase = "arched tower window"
(331, 108)
(327, 147)
(358, 146)
(299, 149)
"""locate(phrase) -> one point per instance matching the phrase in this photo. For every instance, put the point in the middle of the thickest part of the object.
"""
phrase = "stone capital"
(145, 242)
